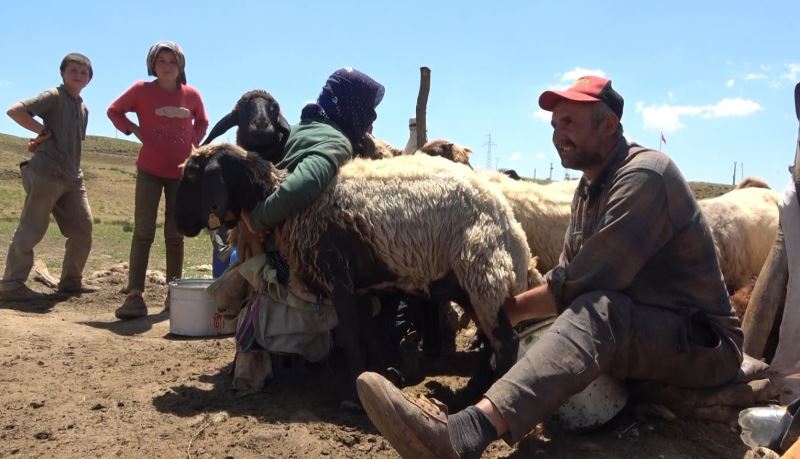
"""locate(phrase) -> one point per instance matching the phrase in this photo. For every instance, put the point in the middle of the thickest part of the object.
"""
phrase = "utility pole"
(489, 145)
(734, 174)
(550, 177)
(534, 173)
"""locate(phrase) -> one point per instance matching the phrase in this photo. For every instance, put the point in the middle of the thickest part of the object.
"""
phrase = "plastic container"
(764, 426)
(597, 404)
(192, 312)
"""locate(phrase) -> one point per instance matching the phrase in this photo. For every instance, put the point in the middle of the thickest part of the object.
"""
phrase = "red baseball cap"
(585, 89)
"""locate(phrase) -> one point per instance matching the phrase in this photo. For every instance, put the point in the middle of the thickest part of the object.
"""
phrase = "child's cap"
(176, 49)
(76, 58)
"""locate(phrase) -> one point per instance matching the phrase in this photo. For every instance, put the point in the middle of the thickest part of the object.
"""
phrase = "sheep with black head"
(261, 126)
(415, 223)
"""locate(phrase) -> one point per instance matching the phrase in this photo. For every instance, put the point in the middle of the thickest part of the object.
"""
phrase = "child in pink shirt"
(171, 119)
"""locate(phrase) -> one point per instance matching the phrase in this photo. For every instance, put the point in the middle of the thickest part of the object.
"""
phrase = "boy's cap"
(77, 58)
(152, 53)
(585, 89)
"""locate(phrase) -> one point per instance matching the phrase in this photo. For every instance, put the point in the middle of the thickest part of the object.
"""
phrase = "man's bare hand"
(33, 144)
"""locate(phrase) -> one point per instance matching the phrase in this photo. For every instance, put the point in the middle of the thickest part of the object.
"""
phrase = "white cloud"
(667, 118)
(793, 72)
(755, 76)
(731, 107)
(543, 115)
(730, 83)
(516, 156)
(671, 95)
(541, 156)
(578, 72)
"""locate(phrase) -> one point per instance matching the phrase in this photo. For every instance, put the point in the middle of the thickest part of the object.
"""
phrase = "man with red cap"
(638, 293)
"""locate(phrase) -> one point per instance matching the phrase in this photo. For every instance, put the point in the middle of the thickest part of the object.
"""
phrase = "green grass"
(110, 173)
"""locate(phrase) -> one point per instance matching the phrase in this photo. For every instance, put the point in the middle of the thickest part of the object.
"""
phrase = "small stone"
(120, 403)
(98, 406)
(44, 435)
(35, 405)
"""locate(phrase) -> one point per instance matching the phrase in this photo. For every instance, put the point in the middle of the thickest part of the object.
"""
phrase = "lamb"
(261, 126)
(415, 223)
(743, 223)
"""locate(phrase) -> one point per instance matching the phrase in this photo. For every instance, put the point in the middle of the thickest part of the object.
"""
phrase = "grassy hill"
(110, 171)
(109, 167)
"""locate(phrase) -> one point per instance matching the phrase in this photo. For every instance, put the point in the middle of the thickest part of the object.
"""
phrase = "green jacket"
(315, 150)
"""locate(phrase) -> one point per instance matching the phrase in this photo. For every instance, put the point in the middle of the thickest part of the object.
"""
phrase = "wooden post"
(422, 106)
(769, 294)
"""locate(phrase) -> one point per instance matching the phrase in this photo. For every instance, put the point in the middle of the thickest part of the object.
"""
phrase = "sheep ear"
(228, 121)
(284, 127)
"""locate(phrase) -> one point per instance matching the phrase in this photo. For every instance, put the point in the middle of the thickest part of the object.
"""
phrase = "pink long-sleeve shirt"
(170, 123)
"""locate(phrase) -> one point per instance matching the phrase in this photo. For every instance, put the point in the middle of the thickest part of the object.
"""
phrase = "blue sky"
(715, 77)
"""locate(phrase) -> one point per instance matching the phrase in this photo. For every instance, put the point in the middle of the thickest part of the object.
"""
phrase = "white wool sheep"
(542, 210)
(433, 217)
(743, 223)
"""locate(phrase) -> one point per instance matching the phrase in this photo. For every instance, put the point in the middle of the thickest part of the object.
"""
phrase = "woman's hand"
(135, 131)
(245, 217)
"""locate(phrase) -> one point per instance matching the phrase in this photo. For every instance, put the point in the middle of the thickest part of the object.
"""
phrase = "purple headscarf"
(349, 99)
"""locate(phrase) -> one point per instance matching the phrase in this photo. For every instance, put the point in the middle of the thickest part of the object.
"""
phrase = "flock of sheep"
(425, 225)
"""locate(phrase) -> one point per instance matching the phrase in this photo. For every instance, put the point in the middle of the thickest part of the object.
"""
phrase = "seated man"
(638, 293)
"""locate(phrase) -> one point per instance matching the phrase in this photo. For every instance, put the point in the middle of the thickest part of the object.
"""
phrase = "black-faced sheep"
(414, 223)
(261, 126)
(511, 173)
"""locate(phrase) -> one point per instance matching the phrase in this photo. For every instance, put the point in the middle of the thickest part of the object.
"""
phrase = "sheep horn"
(797, 101)
(228, 121)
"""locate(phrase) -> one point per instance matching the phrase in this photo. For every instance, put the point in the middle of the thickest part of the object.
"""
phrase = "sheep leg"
(504, 348)
(431, 328)
(347, 338)
(505, 344)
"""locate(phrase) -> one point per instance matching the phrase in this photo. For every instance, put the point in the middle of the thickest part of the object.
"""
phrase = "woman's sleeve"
(300, 189)
(200, 124)
(122, 105)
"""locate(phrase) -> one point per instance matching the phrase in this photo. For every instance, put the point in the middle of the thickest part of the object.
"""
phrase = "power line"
(489, 145)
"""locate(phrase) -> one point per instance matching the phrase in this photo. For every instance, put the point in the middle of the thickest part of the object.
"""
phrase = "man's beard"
(572, 158)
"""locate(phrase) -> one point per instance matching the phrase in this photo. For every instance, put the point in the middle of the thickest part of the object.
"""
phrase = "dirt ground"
(78, 383)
